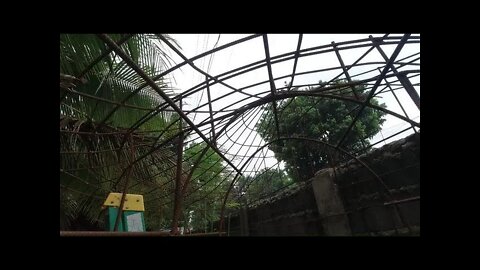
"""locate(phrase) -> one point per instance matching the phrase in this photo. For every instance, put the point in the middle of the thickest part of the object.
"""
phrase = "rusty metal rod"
(345, 71)
(108, 101)
(272, 83)
(201, 71)
(172, 69)
(197, 162)
(403, 80)
(398, 101)
(103, 55)
(178, 184)
(125, 188)
(148, 80)
(381, 77)
(349, 79)
(300, 37)
(98, 59)
(324, 89)
(259, 65)
(416, 198)
(128, 234)
(279, 96)
(336, 148)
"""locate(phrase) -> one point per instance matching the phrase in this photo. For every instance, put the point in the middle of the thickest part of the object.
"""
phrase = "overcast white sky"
(253, 50)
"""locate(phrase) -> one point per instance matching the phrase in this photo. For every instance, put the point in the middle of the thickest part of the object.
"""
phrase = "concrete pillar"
(330, 205)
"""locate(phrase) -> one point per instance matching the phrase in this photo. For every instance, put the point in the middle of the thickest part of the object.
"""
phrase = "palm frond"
(90, 167)
(111, 78)
(92, 164)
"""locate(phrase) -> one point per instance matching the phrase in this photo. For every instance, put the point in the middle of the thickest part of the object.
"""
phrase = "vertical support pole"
(178, 184)
(127, 180)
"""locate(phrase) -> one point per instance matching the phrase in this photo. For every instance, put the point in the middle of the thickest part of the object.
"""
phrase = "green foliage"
(112, 79)
(90, 169)
(91, 166)
(263, 184)
(319, 118)
(210, 182)
(210, 165)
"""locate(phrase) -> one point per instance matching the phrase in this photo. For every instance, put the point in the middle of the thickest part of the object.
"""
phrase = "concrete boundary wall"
(349, 202)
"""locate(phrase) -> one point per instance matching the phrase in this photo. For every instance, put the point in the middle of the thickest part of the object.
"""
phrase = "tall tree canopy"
(319, 118)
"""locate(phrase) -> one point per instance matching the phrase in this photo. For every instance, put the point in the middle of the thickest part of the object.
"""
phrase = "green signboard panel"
(131, 221)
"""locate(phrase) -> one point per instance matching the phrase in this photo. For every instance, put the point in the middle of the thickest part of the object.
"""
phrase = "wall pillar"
(330, 206)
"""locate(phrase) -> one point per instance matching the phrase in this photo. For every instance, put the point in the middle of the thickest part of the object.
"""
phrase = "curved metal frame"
(336, 148)
(232, 114)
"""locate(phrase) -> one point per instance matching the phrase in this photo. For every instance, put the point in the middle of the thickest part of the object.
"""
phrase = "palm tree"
(94, 150)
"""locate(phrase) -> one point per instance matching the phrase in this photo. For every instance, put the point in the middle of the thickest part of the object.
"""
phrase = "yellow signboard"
(133, 202)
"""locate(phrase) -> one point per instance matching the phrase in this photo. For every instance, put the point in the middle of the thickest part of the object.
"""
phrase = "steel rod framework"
(300, 37)
(124, 193)
(398, 101)
(377, 83)
(127, 59)
(336, 148)
(260, 64)
(231, 128)
(178, 183)
(272, 83)
(405, 82)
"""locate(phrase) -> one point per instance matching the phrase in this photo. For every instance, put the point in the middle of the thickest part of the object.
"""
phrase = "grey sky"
(253, 50)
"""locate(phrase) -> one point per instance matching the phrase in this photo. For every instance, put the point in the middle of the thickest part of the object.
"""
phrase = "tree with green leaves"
(264, 183)
(320, 118)
(210, 181)
(94, 152)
